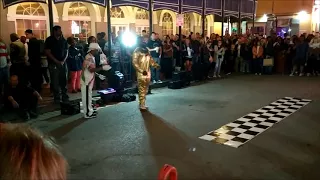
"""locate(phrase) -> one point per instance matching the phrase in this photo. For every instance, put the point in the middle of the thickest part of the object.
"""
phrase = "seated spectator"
(22, 98)
(26, 154)
(74, 62)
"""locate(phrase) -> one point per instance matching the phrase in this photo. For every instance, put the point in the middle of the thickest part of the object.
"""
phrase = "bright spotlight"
(302, 15)
(129, 39)
(264, 18)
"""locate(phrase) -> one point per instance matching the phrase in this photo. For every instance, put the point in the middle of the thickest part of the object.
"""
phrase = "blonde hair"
(26, 154)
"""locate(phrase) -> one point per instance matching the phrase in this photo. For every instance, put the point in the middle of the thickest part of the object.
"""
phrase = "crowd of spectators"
(201, 56)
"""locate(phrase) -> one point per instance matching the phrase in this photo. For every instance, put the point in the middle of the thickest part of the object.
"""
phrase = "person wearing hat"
(87, 79)
(142, 61)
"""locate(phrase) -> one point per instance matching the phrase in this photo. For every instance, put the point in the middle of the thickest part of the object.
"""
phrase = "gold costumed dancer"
(141, 62)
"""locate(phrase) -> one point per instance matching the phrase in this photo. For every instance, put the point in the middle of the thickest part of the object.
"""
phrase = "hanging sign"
(180, 20)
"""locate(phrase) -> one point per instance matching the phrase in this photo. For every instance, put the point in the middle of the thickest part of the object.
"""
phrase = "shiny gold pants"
(143, 86)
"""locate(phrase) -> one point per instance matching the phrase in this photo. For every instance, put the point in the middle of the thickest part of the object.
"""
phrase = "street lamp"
(302, 16)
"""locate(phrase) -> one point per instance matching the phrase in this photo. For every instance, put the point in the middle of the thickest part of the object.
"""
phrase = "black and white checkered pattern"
(249, 126)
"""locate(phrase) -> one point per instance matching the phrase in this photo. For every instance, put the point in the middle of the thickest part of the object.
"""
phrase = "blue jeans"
(244, 67)
(155, 73)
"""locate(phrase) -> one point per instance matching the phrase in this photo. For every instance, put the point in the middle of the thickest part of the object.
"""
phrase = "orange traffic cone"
(168, 172)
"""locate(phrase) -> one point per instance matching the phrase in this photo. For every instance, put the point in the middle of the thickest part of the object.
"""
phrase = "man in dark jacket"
(22, 98)
(34, 54)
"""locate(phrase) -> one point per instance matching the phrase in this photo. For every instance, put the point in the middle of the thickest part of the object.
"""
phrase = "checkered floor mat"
(249, 126)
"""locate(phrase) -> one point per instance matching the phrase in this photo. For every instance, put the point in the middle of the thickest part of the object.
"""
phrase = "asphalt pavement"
(124, 143)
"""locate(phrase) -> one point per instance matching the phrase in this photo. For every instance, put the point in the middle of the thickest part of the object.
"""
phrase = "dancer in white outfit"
(87, 79)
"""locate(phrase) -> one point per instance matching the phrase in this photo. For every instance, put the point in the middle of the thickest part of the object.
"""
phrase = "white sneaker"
(154, 82)
(159, 81)
(301, 74)
(94, 115)
(214, 76)
(219, 76)
(309, 74)
(256, 74)
(259, 74)
(143, 107)
(291, 74)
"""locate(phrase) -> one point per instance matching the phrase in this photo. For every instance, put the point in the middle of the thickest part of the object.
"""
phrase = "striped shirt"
(3, 55)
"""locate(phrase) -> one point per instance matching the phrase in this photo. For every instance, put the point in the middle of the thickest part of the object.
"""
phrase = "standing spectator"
(154, 46)
(167, 58)
(144, 34)
(240, 55)
(188, 53)
(301, 56)
(34, 60)
(207, 59)
(257, 51)
(101, 39)
(23, 39)
(219, 50)
(18, 59)
(228, 58)
(212, 60)
(56, 49)
(176, 51)
(74, 62)
(196, 47)
(4, 71)
(314, 52)
(269, 53)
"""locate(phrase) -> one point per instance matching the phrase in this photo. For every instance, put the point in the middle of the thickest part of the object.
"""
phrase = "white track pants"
(86, 93)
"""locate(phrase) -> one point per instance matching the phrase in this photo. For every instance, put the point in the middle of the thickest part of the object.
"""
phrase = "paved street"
(123, 143)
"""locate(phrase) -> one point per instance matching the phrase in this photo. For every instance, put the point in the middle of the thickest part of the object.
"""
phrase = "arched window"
(142, 23)
(79, 21)
(142, 14)
(205, 24)
(167, 24)
(31, 16)
(186, 24)
(116, 12)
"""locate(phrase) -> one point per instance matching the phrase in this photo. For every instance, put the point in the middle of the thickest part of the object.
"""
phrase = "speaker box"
(179, 75)
(116, 81)
(107, 95)
(70, 108)
(176, 84)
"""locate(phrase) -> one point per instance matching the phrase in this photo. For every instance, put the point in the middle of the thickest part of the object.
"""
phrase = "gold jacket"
(142, 61)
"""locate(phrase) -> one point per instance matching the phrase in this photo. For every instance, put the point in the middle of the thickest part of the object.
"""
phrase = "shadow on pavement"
(65, 129)
(169, 144)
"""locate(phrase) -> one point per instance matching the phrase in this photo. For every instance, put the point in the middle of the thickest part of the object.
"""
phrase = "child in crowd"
(74, 62)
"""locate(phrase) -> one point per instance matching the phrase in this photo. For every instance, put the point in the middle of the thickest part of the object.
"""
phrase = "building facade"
(292, 16)
(83, 19)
